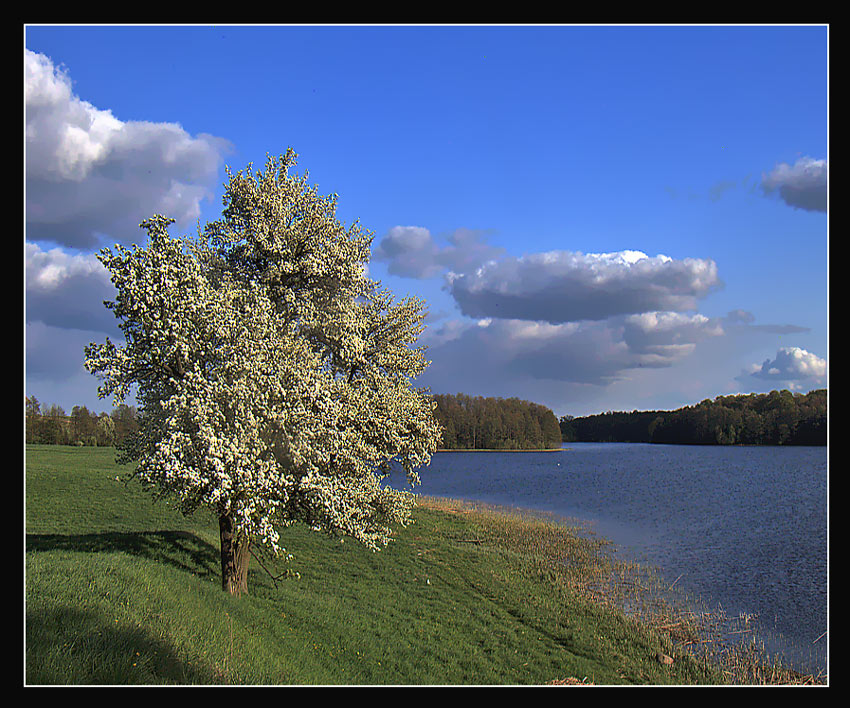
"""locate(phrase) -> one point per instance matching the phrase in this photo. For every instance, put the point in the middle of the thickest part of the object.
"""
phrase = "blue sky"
(599, 218)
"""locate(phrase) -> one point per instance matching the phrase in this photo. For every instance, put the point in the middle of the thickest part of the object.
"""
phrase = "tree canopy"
(274, 377)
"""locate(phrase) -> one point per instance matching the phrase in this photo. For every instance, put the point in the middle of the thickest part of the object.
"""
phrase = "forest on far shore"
(478, 423)
(475, 422)
(775, 418)
(468, 422)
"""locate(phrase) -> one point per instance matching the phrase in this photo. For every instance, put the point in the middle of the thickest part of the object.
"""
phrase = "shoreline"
(493, 449)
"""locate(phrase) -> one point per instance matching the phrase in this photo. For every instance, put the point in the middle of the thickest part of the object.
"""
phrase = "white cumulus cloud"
(90, 174)
(793, 367)
(66, 291)
(585, 352)
(565, 286)
(802, 185)
(668, 335)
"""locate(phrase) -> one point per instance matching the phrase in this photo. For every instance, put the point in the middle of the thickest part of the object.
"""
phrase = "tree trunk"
(234, 558)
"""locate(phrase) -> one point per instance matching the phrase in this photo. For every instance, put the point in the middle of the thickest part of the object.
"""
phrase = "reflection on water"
(741, 527)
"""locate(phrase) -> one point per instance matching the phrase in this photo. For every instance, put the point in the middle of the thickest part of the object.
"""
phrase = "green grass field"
(122, 590)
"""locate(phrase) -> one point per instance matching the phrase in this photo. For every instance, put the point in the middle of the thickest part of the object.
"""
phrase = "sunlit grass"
(120, 590)
(576, 561)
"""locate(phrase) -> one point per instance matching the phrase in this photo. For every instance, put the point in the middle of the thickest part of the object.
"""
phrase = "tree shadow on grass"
(181, 549)
(69, 646)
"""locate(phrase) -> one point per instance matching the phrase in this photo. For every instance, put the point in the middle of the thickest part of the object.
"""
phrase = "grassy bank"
(122, 590)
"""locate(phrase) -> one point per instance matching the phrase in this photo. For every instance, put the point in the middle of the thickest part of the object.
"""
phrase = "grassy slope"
(120, 590)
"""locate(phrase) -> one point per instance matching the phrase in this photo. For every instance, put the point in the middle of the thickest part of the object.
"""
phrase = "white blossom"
(274, 378)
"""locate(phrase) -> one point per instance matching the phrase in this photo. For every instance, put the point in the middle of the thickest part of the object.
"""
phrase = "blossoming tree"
(274, 378)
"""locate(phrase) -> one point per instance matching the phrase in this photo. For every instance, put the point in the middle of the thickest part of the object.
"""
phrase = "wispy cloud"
(717, 190)
(412, 252)
(742, 321)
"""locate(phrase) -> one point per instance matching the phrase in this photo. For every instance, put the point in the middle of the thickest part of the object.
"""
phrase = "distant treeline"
(495, 423)
(475, 422)
(487, 423)
(775, 418)
(51, 425)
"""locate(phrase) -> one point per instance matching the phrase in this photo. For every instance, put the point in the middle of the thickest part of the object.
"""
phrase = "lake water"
(744, 527)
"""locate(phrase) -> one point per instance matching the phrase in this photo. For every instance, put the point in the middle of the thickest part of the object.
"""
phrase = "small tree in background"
(274, 377)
